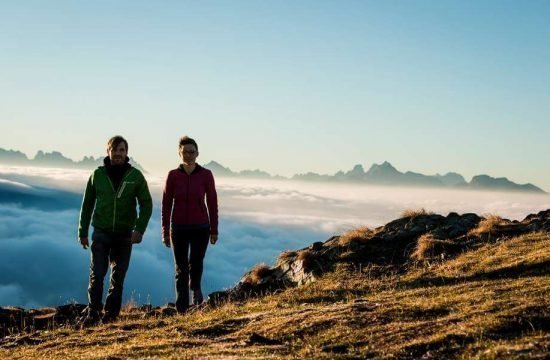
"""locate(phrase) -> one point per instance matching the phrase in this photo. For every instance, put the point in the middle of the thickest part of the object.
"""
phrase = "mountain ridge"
(387, 174)
(378, 174)
(54, 159)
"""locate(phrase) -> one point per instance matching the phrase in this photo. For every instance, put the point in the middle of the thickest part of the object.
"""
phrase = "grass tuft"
(488, 225)
(428, 247)
(258, 273)
(286, 255)
(415, 212)
(360, 234)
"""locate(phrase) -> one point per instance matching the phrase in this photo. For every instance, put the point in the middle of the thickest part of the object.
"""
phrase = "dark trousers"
(189, 247)
(114, 249)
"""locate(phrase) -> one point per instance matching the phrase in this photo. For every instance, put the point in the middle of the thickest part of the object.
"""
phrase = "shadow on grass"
(512, 272)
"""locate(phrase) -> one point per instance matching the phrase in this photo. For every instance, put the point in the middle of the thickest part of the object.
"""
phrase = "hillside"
(422, 286)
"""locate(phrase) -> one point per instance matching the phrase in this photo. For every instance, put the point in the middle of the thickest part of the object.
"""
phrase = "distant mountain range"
(54, 159)
(383, 174)
(386, 174)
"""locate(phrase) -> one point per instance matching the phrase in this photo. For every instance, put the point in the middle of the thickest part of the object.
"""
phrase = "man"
(111, 195)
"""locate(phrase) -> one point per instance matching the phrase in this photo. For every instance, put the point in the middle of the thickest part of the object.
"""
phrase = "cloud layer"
(42, 264)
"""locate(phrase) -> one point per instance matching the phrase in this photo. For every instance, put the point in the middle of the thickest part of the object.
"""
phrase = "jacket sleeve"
(166, 208)
(212, 203)
(87, 208)
(145, 206)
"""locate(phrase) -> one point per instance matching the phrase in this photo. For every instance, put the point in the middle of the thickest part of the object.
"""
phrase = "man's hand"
(166, 241)
(136, 237)
(84, 242)
(213, 238)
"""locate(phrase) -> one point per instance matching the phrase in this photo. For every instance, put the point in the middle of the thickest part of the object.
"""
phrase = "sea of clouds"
(42, 264)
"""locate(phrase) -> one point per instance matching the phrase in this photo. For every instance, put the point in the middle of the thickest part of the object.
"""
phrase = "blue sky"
(285, 86)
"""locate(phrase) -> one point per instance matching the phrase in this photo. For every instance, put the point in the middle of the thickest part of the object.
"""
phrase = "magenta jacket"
(183, 200)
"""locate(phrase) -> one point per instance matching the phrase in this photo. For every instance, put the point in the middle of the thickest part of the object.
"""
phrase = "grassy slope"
(489, 303)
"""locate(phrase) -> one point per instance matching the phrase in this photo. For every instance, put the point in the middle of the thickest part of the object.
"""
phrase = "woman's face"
(189, 154)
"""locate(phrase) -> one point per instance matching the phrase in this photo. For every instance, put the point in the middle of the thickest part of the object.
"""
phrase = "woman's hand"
(166, 241)
(213, 238)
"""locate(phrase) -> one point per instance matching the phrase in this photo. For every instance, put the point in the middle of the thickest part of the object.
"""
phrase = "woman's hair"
(115, 141)
(186, 140)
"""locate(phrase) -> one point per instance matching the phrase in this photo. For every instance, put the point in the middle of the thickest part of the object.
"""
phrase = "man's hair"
(186, 140)
(115, 141)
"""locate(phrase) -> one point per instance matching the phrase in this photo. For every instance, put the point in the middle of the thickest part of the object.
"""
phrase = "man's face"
(118, 154)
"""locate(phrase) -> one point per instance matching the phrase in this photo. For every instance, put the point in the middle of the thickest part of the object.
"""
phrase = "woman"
(187, 222)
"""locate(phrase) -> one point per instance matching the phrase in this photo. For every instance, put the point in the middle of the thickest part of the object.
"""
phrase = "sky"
(284, 86)
(43, 264)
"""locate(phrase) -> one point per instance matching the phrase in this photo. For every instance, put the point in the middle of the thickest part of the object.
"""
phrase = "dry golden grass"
(487, 226)
(286, 255)
(258, 273)
(360, 234)
(427, 247)
(307, 258)
(517, 254)
(415, 212)
(488, 303)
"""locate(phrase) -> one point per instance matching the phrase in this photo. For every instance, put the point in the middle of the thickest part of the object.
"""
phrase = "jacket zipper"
(121, 190)
(115, 193)
(187, 199)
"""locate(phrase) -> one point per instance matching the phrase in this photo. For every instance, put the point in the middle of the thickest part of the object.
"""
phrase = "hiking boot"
(91, 318)
(107, 318)
(179, 311)
(197, 298)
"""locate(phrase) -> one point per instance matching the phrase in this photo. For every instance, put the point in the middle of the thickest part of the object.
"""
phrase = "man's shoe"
(108, 318)
(91, 318)
(197, 298)
(181, 311)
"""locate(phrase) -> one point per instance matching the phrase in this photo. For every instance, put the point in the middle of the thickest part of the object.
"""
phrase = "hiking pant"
(189, 245)
(114, 249)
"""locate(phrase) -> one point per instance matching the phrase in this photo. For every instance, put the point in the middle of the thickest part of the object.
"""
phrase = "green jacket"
(115, 209)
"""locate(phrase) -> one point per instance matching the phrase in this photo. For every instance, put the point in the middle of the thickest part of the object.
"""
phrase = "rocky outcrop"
(14, 319)
(391, 246)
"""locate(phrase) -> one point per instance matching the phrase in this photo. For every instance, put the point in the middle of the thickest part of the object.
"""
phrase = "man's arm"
(86, 210)
(145, 206)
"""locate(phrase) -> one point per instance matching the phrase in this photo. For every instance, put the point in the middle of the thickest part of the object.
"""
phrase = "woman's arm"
(212, 203)
(166, 209)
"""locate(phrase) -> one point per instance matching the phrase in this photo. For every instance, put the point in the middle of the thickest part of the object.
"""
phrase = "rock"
(168, 311)
(68, 313)
(316, 246)
(388, 245)
(217, 297)
(11, 318)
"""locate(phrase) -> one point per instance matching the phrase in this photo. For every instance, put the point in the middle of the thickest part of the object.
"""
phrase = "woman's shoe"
(197, 298)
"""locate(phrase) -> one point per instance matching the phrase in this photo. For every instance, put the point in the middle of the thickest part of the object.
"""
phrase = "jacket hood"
(196, 170)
